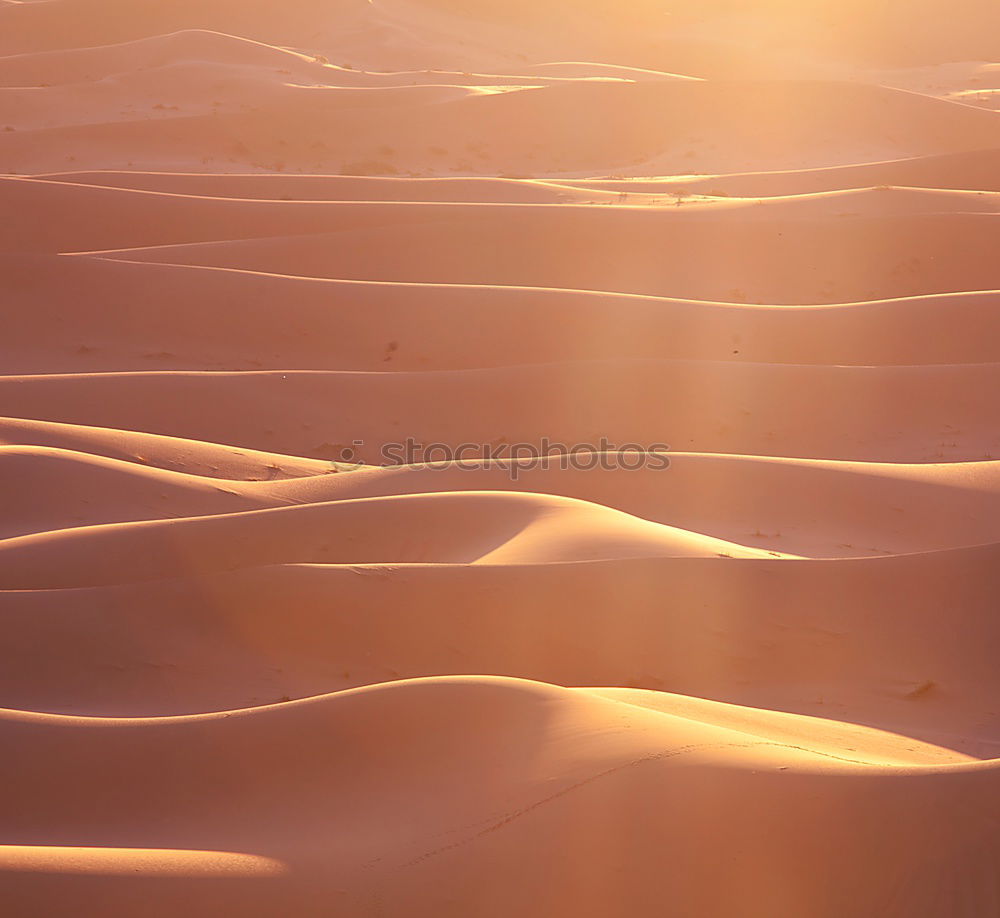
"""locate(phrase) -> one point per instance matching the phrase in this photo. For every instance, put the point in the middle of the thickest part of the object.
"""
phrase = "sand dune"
(208, 460)
(488, 459)
(63, 25)
(917, 414)
(154, 52)
(519, 529)
(46, 489)
(772, 504)
(865, 508)
(653, 252)
(883, 199)
(282, 186)
(105, 215)
(135, 317)
(96, 63)
(773, 35)
(975, 170)
(961, 171)
(607, 752)
(648, 127)
(902, 643)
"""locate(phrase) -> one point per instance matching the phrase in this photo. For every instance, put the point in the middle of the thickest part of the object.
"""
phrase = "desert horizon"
(474, 458)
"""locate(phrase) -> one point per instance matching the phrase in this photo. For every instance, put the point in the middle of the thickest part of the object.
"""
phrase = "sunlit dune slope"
(209, 460)
(460, 527)
(799, 507)
(594, 759)
(905, 643)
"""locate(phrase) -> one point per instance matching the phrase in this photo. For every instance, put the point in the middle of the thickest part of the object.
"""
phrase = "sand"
(295, 619)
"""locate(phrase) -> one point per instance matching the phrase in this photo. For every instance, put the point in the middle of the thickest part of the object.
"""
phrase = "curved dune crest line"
(852, 32)
(974, 170)
(105, 214)
(654, 710)
(133, 862)
(588, 757)
(463, 527)
(917, 414)
(854, 200)
(121, 100)
(57, 486)
(809, 507)
(194, 457)
(92, 218)
(275, 186)
(140, 316)
(66, 25)
(812, 508)
(846, 741)
(904, 643)
(654, 253)
(970, 171)
(653, 126)
(90, 64)
(103, 85)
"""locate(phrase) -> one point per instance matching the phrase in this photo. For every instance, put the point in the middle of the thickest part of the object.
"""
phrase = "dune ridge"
(608, 743)
(130, 317)
(477, 459)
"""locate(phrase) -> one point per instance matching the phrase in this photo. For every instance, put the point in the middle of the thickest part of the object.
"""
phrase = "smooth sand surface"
(475, 459)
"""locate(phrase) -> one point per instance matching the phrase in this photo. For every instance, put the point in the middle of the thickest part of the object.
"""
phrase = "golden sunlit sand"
(473, 458)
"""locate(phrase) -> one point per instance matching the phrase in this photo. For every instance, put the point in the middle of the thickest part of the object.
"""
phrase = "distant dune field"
(474, 459)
